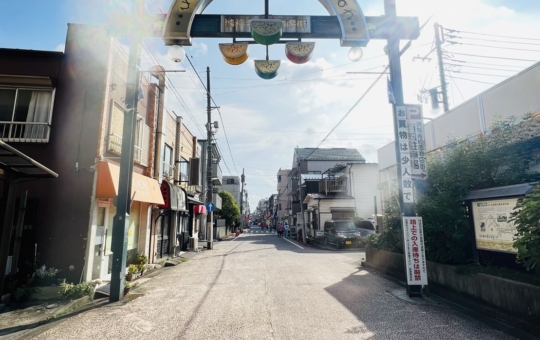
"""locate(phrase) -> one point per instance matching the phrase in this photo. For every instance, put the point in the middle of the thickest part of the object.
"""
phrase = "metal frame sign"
(404, 155)
(414, 251)
(417, 142)
(242, 23)
(491, 227)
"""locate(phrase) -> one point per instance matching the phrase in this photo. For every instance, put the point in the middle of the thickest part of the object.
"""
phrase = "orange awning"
(144, 188)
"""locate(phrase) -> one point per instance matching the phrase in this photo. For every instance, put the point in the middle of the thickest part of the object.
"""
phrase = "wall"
(364, 189)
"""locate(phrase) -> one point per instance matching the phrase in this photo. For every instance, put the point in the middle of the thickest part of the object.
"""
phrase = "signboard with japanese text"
(491, 226)
(404, 154)
(417, 142)
(415, 255)
(242, 23)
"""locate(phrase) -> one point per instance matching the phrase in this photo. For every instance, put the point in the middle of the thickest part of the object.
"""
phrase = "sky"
(264, 120)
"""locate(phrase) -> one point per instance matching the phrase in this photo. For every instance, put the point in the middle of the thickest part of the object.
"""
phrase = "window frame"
(30, 88)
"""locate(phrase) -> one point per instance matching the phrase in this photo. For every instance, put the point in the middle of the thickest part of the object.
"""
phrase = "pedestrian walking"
(286, 227)
(281, 230)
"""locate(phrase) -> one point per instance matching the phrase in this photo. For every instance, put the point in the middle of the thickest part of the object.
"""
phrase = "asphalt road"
(259, 286)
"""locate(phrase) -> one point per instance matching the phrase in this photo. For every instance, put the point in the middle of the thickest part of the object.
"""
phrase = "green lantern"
(266, 31)
(267, 69)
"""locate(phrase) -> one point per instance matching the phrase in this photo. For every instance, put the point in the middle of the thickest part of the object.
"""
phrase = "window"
(184, 171)
(230, 181)
(25, 114)
(279, 178)
(167, 161)
(314, 172)
(142, 135)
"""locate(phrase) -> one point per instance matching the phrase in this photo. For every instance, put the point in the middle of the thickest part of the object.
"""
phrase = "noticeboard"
(492, 228)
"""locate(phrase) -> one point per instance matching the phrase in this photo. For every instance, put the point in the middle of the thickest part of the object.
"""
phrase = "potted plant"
(132, 271)
(141, 267)
(46, 276)
(142, 259)
(127, 288)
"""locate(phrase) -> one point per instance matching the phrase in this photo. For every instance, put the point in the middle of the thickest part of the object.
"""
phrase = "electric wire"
(220, 116)
(476, 63)
(475, 81)
(491, 57)
(489, 35)
(483, 68)
(480, 74)
(491, 40)
(488, 46)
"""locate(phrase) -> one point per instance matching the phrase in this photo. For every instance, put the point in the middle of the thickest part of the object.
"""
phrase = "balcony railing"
(23, 132)
(168, 170)
(333, 185)
(115, 146)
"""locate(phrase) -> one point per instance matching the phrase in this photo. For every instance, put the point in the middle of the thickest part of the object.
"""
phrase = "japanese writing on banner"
(417, 142)
(404, 154)
(242, 23)
(415, 255)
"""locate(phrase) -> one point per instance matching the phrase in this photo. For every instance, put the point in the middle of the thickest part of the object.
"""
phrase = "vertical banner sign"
(417, 142)
(404, 154)
(415, 255)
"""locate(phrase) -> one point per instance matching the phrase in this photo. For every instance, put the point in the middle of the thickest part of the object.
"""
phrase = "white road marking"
(291, 242)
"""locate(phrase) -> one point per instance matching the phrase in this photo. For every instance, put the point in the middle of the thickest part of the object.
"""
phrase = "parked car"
(365, 228)
(341, 233)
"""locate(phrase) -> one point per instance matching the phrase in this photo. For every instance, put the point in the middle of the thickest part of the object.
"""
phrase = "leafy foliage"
(501, 158)
(391, 238)
(72, 291)
(526, 217)
(230, 211)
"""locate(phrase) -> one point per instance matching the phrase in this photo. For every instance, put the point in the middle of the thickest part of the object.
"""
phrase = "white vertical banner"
(404, 154)
(414, 251)
(417, 142)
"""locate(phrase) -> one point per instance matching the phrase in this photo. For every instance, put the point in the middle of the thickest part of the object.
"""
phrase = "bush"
(72, 291)
(526, 218)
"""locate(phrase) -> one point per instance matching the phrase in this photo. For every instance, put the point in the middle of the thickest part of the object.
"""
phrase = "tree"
(230, 211)
(526, 217)
(504, 157)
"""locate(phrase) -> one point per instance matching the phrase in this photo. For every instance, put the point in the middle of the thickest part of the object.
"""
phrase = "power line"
(491, 40)
(457, 87)
(475, 63)
(489, 35)
(492, 57)
(483, 68)
(481, 74)
(475, 81)
(220, 116)
(348, 112)
(488, 46)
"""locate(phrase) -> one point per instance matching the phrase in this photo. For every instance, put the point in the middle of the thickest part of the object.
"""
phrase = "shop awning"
(21, 165)
(173, 196)
(143, 189)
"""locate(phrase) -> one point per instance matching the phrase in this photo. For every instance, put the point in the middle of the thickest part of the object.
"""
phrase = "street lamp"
(176, 53)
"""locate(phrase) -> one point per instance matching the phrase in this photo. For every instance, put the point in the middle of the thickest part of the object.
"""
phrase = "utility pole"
(301, 205)
(209, 162)
(394, 54)
(243, 178)
(438, 44)
(123, 205)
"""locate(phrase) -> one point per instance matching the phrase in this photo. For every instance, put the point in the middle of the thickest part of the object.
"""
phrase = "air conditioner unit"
(193, 243)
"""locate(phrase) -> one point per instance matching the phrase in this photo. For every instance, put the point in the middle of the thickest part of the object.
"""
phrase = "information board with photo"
(491, 225)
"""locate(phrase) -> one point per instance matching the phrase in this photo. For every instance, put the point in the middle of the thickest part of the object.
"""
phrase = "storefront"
(145, 193)
(172, 235)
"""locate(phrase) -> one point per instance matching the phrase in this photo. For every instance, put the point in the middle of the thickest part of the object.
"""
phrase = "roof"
(20, 164)
(506, 191)
(333, 154)
(329, 197)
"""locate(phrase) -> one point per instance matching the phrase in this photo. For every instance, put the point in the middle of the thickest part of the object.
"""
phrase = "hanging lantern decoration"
(299, 52)
(266, 31)
(235, 53)
(267, 69)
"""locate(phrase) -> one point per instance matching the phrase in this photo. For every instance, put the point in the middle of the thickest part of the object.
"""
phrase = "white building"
(513, 97)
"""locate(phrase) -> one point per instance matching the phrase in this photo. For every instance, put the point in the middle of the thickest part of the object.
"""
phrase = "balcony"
(333, 185)
(23, 132)
(115, 146)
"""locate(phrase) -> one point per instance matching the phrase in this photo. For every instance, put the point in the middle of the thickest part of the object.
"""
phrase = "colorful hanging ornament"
(266, 31)
(235, 53)
(299, 52)
(267, 69)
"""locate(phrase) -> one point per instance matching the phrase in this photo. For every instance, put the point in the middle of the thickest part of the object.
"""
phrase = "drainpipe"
(178, 151)
(353, 194)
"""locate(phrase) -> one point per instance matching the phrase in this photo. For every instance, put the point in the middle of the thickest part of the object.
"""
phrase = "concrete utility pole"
(444, 88)
(123, 204)
(394, 54)
(243, 178)
(209, 162)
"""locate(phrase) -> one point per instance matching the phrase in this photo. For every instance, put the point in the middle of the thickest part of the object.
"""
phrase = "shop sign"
(415, 255)
(417, 142)
(404, 154)
(242, 23)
